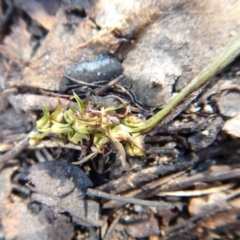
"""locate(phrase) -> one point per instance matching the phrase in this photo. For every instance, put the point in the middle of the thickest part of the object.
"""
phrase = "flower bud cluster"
(102, 127)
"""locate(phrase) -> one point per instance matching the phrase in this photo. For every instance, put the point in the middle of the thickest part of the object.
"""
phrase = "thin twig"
(197, 192)
(54, 144)
(110, 84)
(136, 179)
(79, 81)
(121, 90)
(114, 223)
(97, 193)
(189, 225)
(143, 194)
(86, 158)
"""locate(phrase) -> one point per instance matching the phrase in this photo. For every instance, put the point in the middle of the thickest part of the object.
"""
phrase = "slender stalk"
(97, 193)
(199, 81)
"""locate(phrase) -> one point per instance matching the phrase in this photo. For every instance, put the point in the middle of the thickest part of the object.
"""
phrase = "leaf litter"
(158, 57)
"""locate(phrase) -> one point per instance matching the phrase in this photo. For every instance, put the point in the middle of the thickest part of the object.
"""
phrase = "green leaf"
(119, 133)
(77, 137)
(81, 128)
(90, 121)
(57, 115)
(135, 147)
(35, 138)
(99, 140)
(81, 106)
(111, 108)
(45, 130)
(44, 121)
(61, 128)
(133, 150)
(133, 121)
(70, 115)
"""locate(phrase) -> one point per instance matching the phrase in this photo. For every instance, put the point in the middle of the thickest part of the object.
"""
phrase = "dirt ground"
(134, 57)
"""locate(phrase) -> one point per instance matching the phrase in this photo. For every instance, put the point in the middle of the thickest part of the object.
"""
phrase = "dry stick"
(79, 81)
(218, 206)
(127, 182)
(191, 91)
(140, 193)
(136, 179)
(208, 176)
(86, 158)
(120, 89)
(53, 144)
(92, 192)
(113, 225)
(110, 84)
(15, 151)
(189, 225)
(198, 192)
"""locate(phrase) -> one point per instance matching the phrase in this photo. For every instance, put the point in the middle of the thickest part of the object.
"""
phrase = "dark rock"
(105, 67)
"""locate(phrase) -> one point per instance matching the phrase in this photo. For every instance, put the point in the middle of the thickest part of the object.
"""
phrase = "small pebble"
(229, 104)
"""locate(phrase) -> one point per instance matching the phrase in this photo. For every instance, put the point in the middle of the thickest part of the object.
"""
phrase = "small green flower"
(61, 128)
(57, 115)
(44, 124)
(135, 147)
(100, 140)
(36, 138)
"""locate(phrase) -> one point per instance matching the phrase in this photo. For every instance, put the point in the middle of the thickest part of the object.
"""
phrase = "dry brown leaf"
(3, 97)
(220, 219)
(62, 186)
(28, 102)
(200, 205)
(35, 9)
(143, 228)
(17, 46)
(5, 184)
(19, 223)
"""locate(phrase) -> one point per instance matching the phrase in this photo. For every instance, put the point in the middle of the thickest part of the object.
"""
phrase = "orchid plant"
(105, 126)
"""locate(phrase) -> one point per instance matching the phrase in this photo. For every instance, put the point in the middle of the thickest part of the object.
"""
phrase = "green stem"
(200, 80)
